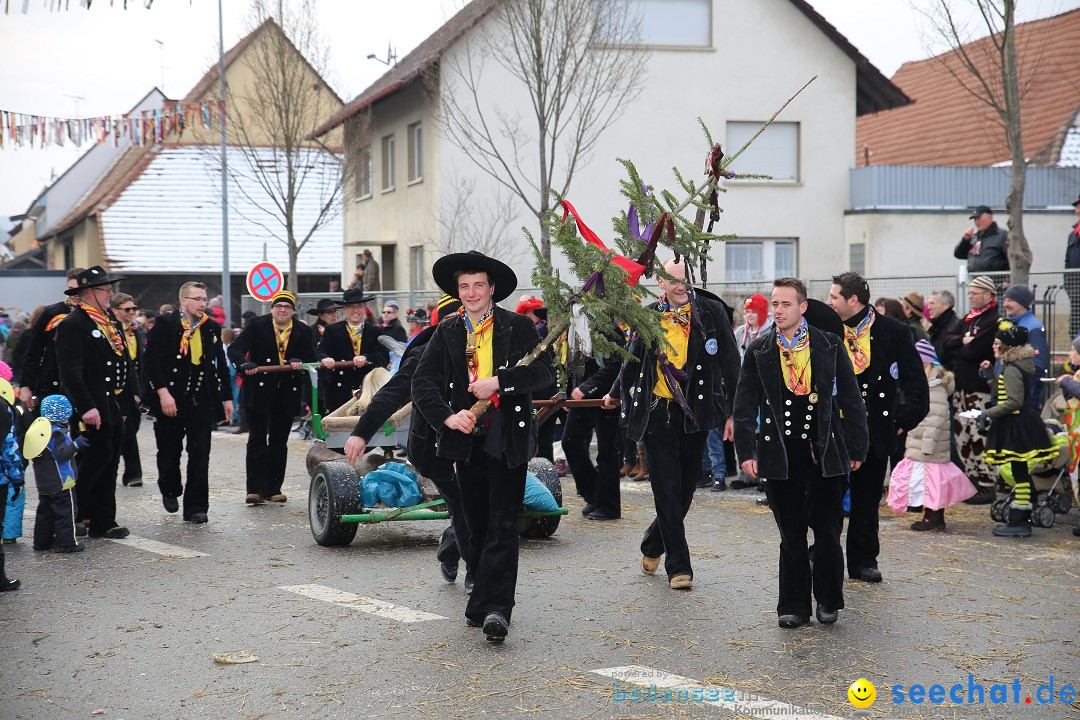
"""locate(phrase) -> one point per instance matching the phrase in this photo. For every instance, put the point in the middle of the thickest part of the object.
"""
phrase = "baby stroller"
(1051, 483)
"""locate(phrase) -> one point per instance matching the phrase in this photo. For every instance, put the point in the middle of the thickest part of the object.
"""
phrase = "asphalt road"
(131, 629)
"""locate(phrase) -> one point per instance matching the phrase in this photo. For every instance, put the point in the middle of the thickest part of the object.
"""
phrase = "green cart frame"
(335, 510)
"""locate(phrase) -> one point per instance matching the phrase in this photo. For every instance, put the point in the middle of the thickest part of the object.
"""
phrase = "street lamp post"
(226, 278)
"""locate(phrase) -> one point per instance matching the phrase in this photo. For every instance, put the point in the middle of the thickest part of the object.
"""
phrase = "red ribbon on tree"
(634, 268)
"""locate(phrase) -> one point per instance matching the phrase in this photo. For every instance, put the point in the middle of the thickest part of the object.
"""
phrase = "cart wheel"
(334, 491)
(1043, 516)
(998, 510)
(1060, 502)
(531, 527)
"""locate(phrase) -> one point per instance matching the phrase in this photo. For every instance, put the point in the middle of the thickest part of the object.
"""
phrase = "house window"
(775, 152)
(669, 23)
(363, 173)
(752, 260)
(857, 257)
(388, 163)
(417, 272)
(416, 163)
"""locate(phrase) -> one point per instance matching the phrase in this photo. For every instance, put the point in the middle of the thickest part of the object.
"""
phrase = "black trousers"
(54, 522)
(267, 448)
(808, 500)
(674, 471)
(454, 543)
(130, 449)
(192, 426)
(867, 484)
(599, 483)
(95, 484)
(491, 496)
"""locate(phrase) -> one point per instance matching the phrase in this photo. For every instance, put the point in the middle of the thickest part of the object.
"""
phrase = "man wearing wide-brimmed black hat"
(454, 544)
(355, 340)
(327, 312)
(98, 377)
(39, 376)
(473, 356)
(271, 401)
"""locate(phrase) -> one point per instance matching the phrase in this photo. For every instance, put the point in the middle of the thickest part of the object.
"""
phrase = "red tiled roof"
(947, 125)
(874, 90)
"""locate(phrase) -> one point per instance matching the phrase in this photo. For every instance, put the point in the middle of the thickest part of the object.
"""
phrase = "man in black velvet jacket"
(473, 356)
(796, 382)
(885, 361)
(271, 401)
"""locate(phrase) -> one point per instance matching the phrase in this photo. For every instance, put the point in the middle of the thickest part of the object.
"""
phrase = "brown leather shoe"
(253, 499)
(278, 498)
(649, 565)
(681, 582)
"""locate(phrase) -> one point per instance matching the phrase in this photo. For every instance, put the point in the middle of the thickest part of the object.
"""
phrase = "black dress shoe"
(198, 518)
(763, 501)
(588, 509)
(469, 622)
(80, 530)
(449, 571)
(827, 617)
(601, 515)
(133, 482)
(495, 627)
(870, 575)
(170, 503)
(719, 486)
(469, 581)
(77, 547)
(114, 533)
(791, 621)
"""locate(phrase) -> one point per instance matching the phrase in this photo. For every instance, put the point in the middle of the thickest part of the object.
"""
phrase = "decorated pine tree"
(604, 285)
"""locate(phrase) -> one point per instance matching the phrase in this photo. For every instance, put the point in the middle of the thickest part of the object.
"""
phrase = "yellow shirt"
(800, 383)
(129, 335)
(195, 346)
(483, 354)
(679, 339)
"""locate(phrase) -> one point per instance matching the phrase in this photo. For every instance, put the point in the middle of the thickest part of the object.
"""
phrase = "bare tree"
(580, 61)
(267, 123)
(987, 71)
(468, 224)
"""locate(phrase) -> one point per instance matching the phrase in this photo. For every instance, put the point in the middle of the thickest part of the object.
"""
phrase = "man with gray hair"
(946, 329)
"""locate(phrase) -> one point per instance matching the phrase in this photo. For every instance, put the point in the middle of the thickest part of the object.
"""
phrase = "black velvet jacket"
(40, 371)
(167, 368)
(93, 376)
(440, 387)
(760, 394)
(258, 343)
(336, 343)
(895, 366)
(712, 363)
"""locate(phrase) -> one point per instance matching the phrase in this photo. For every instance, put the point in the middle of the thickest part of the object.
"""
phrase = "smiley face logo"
(862, 693)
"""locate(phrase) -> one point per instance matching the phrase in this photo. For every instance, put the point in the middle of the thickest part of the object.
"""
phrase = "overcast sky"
(85, 63)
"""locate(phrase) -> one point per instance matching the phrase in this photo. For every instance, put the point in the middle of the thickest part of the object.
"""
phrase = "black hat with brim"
(823, 317)
(499, 274)
(702, 292)
(323, 306)
(355, 296)
(91, 278)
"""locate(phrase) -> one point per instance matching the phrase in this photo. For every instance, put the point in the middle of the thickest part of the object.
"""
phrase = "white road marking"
(361, 603)
(159, 548)
(723, 698)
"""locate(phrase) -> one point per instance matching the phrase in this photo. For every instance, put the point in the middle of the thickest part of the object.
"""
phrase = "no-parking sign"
(263, 281)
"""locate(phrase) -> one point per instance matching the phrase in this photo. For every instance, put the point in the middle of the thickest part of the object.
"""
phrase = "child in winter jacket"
(11, 467)
(54, 471)
(1017, 434)
(926, 476)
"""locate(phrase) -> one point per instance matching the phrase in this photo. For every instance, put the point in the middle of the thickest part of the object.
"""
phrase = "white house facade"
(732, 63)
